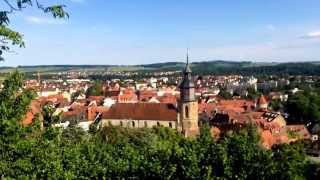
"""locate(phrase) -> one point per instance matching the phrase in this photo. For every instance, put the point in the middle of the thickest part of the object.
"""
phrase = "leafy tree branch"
(9, 36)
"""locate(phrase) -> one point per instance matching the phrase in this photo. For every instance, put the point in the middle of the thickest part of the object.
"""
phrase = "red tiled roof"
(238, 106)
(127, 98)
(145, 95)
(142, 111)
(75, 111)
(34, 108)
(28, 118)
(168, 98)
(97, 99)
(262, 100)
(95, 110)
(300, 130)
(52, 98)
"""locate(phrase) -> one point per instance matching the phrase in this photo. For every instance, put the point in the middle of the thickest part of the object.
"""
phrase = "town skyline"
(161, 89)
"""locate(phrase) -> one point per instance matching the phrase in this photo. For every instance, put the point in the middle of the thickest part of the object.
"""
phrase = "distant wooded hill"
(201, 68)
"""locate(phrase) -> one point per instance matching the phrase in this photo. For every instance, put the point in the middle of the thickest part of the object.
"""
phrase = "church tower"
(188, 105)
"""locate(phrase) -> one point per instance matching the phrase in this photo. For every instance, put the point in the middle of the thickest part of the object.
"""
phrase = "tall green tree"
(95, 90)
(14, 103)
(304, 107)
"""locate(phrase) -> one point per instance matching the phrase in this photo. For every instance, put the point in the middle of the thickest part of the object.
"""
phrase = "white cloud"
(312, 35)
(43, 20)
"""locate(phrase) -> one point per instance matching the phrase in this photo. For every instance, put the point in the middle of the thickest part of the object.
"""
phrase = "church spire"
(187, 85)
(188, 105)
(187, 56)
(187, 68)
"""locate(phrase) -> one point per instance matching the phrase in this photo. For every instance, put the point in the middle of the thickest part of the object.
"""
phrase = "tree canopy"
(95, 90)
(124, 153)
(304, 106)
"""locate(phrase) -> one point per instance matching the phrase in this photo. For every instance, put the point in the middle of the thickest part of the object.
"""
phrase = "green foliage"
(252, 94)
(225, 94)
(289, 161)
(95, 90)
(304, 107)
(49, 117)
(76, 94)
(276, 105)
(159, 153)
(14, 103)
(15, 38)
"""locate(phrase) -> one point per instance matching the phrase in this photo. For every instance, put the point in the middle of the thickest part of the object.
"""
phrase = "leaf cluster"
(9, 36)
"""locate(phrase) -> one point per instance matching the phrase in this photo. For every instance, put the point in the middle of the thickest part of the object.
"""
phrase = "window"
(110, 124)
(133, 124)
(145, 124)
(158, 124)
(170, 125)
(187, 112)
(121, 123)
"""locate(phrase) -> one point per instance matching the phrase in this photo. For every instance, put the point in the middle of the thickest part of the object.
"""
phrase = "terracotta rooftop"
(129, 97)
(262, 100)
(237, 106)
(300, 130)
(142, 111)
(168, 98)
(34, 108)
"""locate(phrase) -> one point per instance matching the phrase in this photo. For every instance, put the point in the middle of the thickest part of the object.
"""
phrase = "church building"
(183, 117)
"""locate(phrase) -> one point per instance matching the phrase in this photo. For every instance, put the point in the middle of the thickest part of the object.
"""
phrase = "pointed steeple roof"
(187, 81)
(262, 100)
(187, 68)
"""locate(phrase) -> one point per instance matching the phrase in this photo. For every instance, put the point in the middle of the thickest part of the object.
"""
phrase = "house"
(45, 92)
(127, 96)
(278, 96)
(146, 95)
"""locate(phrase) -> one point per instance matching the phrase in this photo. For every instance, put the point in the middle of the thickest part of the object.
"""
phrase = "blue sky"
(149, 31)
